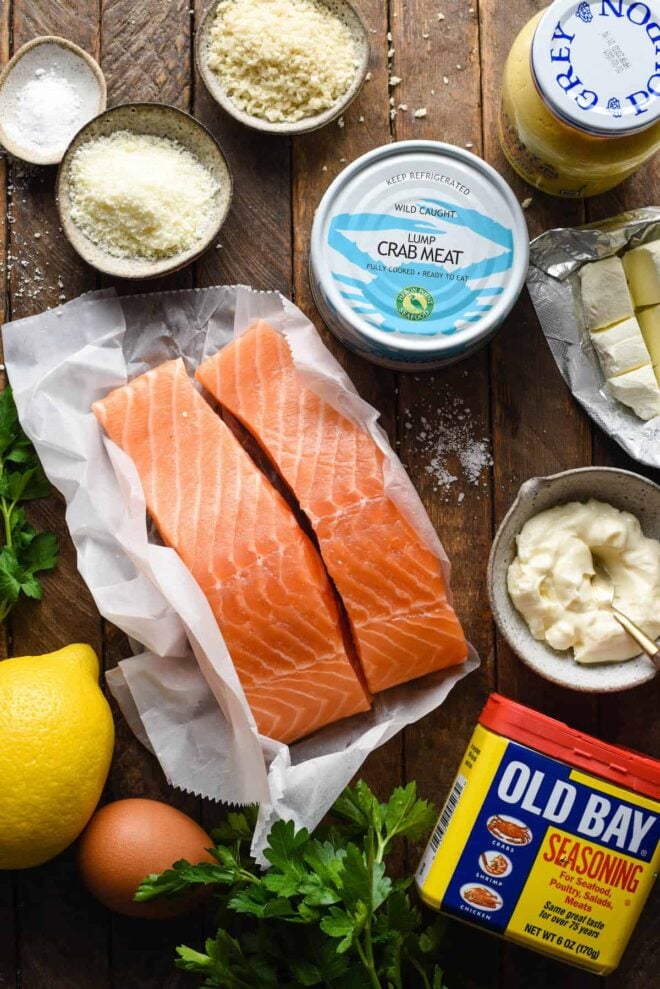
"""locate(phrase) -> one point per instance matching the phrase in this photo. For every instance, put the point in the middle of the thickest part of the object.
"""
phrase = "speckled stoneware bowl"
(162, 121)
(347, 13)
(627, 492)
(41, 53)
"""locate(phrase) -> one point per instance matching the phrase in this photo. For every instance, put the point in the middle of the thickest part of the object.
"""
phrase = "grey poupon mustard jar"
(581, 95)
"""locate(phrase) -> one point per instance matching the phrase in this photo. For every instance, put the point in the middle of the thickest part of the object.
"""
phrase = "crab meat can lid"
(419, 250)
(595, 63)
(625, 767)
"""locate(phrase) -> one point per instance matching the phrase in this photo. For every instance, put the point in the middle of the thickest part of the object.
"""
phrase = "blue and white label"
(597, 63)
(419, 251)
(424, 265)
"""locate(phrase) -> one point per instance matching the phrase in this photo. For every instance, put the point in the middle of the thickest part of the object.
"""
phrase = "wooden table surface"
(52, 935)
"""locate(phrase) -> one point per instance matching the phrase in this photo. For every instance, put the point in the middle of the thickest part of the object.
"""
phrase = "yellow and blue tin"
(549, 838)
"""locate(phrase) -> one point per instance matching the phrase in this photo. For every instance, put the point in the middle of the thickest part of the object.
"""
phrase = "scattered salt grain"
(441, 17)
(341, 123)
(445, 80)
(448, 444)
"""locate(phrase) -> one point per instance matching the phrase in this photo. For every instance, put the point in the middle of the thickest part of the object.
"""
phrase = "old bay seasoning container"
(581, 95)
(549, 838)
(419, 250)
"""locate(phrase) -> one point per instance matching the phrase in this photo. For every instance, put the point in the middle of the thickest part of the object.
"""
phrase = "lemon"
(56, 740)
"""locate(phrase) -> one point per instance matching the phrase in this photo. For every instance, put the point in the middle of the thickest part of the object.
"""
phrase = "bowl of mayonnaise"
(560, 532)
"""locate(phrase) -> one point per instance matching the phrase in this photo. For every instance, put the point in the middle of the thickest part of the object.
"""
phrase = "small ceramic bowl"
(347, 13)
(42, 54)
(626, 491)
(162, 121)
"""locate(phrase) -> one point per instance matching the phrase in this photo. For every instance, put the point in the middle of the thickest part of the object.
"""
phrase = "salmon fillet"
(263, 578)
(390, 582)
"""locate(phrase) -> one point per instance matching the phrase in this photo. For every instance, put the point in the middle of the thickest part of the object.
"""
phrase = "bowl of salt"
(48, 91)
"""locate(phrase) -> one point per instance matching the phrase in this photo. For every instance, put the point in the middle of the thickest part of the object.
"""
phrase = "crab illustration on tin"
(584, 12)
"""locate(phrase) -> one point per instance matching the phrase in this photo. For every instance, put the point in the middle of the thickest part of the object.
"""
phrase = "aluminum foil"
(555, 260)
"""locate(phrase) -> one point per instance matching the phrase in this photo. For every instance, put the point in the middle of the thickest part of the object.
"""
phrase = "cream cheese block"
(639, 390)
(642, 268)
(649, 321)
(621, 347)
(605, 295)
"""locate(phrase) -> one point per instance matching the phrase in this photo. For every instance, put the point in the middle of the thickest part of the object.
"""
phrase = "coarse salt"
(46, 113)
(449, 445)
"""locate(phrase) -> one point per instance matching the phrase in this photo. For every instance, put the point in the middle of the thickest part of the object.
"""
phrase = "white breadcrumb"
(281, 60)
(394, 81)
(526, 203)
(421, 112)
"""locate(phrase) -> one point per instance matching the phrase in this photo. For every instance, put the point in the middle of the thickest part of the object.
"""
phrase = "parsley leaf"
(24, 552)
(325, 913)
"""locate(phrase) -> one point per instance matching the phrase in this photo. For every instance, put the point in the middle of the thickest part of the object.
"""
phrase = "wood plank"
(8, 953)
(142, 954)
(426, 50)
(630, 719)
(255, 241)
(254, 245)
(317, 159)
(146, 56)
(537, 429)
(74, 953)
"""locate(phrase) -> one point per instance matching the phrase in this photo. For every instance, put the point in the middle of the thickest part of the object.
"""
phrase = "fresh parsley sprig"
(325, 913)
(24, 552)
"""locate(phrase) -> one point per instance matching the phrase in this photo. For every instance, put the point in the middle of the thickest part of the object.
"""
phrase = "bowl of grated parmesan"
(283, 66)
(142, 190)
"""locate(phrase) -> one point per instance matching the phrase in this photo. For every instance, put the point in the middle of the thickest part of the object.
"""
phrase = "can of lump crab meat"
(549, 838)
(419, 251)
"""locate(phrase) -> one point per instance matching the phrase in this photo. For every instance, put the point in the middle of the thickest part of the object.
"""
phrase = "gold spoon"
(605, 593)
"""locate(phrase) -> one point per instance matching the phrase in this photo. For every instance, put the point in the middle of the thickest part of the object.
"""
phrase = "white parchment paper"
(180, 692)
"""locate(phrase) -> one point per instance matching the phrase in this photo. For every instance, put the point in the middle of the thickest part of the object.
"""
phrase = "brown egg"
(129, 839)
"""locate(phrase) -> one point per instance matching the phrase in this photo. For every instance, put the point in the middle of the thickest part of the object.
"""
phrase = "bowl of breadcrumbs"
(283, 66)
